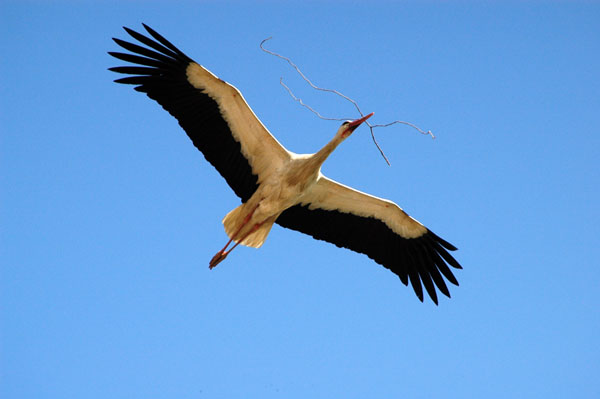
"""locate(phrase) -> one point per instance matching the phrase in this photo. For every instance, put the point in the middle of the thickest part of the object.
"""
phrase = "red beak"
(354, 124)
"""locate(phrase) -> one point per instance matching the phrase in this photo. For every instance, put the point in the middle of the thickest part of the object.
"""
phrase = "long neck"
(324, 152)
(308, 168)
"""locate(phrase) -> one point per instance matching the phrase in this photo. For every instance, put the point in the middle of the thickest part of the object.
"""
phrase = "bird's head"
(350, 126)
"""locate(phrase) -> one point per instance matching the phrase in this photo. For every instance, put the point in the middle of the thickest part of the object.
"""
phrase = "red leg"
(222, 254)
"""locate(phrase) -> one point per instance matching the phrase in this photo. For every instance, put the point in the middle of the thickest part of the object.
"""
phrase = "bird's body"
(277, 185)
(283, 188)
(291, 183)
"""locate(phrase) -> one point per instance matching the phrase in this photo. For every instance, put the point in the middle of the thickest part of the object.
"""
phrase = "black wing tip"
(132, 32)
(431, 260)
(120, 42)
(452, 279)
(150, 30)
(154, 33)
(441, 241)
(415, 282)
(442, 247)
(437, 259)
(154, 41)
(430, 287)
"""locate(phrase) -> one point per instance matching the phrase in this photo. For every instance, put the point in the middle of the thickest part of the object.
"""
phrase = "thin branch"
(299, 100)
(305, 78)
(377, 145)
(429, 132)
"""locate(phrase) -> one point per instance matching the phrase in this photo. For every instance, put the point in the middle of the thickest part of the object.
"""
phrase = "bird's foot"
(218, 258)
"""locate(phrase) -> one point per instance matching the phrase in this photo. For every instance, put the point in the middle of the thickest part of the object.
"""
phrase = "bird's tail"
(234, 219)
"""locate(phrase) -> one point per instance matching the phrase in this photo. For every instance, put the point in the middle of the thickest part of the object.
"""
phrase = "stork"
(276, 185)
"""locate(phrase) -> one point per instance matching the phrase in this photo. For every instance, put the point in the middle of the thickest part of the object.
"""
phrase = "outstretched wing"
(377, 228)
(212, 112)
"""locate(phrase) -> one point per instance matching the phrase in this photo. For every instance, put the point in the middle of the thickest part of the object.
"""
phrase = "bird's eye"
(345, 123)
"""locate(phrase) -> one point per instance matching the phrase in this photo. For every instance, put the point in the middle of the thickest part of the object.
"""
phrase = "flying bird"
(274, 184)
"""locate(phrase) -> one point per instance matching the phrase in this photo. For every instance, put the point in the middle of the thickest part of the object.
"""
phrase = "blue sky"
(110, 215)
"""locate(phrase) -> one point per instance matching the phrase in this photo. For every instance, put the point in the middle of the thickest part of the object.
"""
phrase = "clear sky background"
(109, 215)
